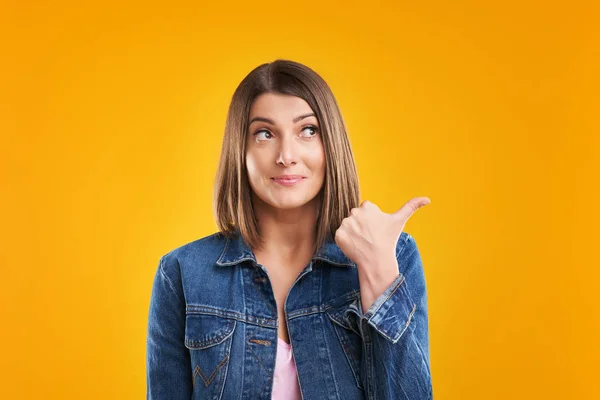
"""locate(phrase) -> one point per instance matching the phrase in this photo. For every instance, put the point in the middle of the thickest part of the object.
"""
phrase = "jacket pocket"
(208, 338)
(349, 339)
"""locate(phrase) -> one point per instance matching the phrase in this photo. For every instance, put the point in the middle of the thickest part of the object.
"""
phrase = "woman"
(303, 293)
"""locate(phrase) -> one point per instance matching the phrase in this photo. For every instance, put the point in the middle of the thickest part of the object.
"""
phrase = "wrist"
(378, 271)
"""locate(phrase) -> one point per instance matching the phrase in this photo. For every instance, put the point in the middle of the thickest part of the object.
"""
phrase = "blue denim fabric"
(212, 327)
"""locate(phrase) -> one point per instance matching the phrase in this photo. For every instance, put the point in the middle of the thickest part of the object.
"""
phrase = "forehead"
(277, 106)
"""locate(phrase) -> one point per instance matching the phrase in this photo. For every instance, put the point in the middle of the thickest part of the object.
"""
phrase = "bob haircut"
(234, 212)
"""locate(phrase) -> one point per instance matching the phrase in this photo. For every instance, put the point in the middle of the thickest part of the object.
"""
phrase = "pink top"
(285, 385)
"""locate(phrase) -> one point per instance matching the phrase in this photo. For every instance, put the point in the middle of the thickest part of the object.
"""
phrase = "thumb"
(409, 208)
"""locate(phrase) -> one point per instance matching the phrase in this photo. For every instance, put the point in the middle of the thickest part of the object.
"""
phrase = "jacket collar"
(236, 251)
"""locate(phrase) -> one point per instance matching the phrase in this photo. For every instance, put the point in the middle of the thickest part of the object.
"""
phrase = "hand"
(368, 236)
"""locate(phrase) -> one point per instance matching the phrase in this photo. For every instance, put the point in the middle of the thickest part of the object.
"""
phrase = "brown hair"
(340, 192)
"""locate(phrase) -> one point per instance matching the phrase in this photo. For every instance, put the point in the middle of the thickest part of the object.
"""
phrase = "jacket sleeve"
(395, 362)
(168, 371)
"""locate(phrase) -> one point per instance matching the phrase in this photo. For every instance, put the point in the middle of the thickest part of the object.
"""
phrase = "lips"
(288, 179)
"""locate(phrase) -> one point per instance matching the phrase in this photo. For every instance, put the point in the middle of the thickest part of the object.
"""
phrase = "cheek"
(317, 162)
(254, 167)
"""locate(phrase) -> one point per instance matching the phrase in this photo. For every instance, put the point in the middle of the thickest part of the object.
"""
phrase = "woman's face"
(285, 158)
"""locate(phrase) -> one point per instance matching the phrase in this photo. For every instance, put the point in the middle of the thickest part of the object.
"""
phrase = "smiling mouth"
(288, 181)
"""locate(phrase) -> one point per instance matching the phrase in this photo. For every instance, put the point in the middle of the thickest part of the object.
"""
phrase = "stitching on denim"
(349, 349)
(369, 317)
(348, 353)
(269, 380)
(219, 261)
(337, 320)
(346, 298)
(216, 340)
(260, 362)
(207, 380)
(322, 320)
(408, 320)
(264, 387)
(369, 361)
(207, 310)
(305, 312)
(386, 333)
(397, 337)
(243, 257)
(341, 300)
(264, 300)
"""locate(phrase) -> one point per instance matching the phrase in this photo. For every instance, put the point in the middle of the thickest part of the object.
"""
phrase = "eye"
(267, 134)
(313, 128)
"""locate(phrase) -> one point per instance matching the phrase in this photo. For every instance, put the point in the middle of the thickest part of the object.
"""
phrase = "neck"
(288, 234)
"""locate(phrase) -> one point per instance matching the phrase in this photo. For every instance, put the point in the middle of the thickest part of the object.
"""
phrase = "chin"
(289, 202)
(288, 205)
(285, 200)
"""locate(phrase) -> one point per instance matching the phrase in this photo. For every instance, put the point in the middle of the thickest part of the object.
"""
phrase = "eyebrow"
(270, 121)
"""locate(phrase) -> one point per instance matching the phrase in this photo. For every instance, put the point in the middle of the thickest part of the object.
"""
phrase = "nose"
(287, 153)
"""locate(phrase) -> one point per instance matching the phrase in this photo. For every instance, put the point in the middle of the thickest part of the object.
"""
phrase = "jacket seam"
(263, 299)
(207, 310)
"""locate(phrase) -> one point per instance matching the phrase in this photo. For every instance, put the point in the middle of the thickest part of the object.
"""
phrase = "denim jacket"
(212, 326)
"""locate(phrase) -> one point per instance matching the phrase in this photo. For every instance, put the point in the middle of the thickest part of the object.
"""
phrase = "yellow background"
(112, 118)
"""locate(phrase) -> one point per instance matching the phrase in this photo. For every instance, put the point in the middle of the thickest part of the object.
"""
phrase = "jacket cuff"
(391, 313)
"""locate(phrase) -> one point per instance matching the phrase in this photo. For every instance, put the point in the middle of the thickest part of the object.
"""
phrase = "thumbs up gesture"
(368, 237)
